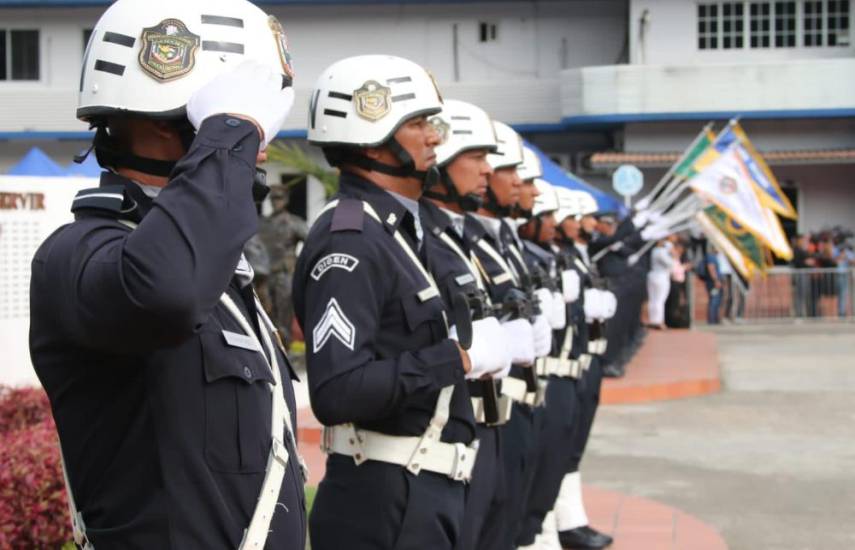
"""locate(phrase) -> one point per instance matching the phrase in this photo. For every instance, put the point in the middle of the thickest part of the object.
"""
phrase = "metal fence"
(783, 294)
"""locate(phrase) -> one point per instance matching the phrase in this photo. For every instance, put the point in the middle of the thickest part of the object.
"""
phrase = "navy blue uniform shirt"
(164, 426)
(377, 347)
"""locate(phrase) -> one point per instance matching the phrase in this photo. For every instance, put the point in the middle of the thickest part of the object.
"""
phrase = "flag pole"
(666, 179)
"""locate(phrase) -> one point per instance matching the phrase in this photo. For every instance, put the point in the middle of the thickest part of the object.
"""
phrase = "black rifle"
(522, 304)
(478, 306)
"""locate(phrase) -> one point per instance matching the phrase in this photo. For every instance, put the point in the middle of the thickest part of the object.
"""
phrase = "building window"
(707, 26)
(761, 24)
(732, 25)
(785, 24)
(19, 54)
(812, 21)
(838, 23)
(487, 32)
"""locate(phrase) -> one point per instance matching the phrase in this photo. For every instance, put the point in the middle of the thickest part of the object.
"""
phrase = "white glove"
(640, 218)
(251, 90)
(571, 285)
(489, 351)
(593, 305)
(643, 204)
(609, 304)
(558, 317)
(519, 337)
(542, 333)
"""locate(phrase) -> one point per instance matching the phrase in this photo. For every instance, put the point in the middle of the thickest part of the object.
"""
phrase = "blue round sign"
(627, 180)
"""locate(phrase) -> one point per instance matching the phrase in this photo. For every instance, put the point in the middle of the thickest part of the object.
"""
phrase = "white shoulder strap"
(255, 535)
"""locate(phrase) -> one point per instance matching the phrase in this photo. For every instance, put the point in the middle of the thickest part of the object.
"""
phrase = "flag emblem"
(442, 128)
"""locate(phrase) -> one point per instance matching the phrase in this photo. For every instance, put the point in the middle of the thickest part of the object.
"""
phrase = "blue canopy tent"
(554, 175)
(89, 169)
(36, 163)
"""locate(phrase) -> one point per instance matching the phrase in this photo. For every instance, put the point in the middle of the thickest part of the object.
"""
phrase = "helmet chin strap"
(407, 169)
(470, 202)
(107, 155)
(492, 204)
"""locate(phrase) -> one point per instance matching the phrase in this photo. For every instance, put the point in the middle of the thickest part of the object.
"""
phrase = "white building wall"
(670, 38)
(827, 195)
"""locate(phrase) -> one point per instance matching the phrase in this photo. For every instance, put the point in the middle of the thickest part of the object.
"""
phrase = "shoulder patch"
(347, 216)
(334, 260)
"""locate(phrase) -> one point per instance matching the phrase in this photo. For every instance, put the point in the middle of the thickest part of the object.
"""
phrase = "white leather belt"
(585, 361)
(598, 347)
(515, 388)
(454, 460)
(505, 404)
(561, 367)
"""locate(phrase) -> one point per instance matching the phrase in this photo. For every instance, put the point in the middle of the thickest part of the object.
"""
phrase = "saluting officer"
(170, 389)
(467, 137)
(384, 376)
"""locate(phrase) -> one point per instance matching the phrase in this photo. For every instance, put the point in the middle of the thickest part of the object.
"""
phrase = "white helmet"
(148, 57)
(546, 201)
(568, 204)
(530, 167)
(462, 127)
(510, 147)
(363, 100)
(587, 203)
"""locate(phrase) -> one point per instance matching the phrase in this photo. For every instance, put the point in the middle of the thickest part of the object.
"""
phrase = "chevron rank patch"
(335, 260)
(334, 323)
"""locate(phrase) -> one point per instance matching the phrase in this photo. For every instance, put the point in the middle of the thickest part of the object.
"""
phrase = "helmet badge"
(281, 44)
(168, 50)
(372, 101)
(442, 128)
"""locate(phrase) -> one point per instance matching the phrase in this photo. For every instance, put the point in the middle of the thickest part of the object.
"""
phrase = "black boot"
(583, 538)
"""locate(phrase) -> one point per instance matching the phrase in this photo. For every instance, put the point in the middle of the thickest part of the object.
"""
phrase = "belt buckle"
(459, 470)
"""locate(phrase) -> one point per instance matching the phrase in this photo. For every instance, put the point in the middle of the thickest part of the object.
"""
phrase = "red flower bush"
(22, 407)
(33, 508)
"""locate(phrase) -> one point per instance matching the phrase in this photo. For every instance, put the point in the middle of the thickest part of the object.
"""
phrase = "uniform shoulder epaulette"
(348, 215)
(107, 198)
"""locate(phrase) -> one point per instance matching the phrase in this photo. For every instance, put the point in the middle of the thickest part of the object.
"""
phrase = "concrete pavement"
(770, 461)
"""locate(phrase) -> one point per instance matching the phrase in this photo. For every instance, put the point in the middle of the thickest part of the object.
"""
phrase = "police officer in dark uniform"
(385, 378)
(610, 248)
(171, 394)
(467, 137)
(507, 276)
(587, 318)
(560, 414)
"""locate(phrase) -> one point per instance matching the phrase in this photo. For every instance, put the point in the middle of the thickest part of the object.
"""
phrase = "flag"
(734, 256)
(685, 166)
(771, 194)
(751, 249)
(725, 182)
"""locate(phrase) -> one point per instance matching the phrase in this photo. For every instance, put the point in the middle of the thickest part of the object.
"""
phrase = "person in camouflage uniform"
(280, 234)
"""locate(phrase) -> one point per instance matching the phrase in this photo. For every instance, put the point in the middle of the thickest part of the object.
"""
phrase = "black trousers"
(555, 446)
(519, 437)
(382, 506)
(588, 388)
(486, 495)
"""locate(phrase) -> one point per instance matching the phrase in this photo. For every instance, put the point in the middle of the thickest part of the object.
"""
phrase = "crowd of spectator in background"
(829, 250)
